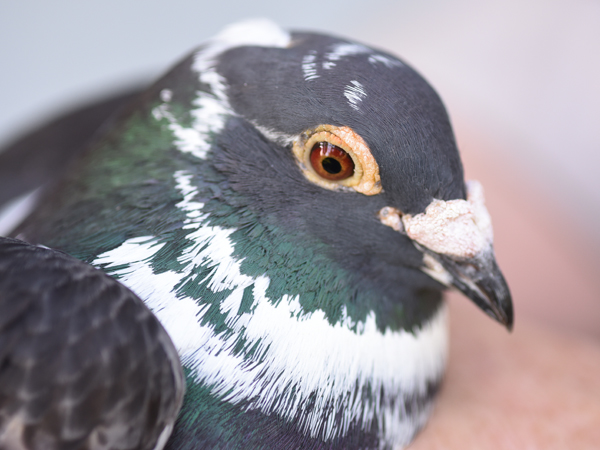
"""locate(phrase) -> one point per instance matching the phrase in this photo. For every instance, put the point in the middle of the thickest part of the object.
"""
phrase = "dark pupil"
(331, 165)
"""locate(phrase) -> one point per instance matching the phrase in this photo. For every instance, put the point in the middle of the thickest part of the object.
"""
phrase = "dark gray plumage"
(41, 154)
(83, 362)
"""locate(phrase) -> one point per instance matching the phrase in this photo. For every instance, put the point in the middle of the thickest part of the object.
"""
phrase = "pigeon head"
(290, 206)
(356, 139)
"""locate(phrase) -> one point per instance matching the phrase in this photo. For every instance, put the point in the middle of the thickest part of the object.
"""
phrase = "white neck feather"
(293, 348)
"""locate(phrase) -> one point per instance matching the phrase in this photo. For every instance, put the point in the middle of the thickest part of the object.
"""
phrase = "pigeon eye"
(337, 158)
(331, 162)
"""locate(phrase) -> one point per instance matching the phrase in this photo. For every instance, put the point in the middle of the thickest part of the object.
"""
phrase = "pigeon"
(291, 207)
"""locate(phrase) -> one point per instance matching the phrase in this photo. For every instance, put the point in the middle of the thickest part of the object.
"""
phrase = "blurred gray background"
(521, 80)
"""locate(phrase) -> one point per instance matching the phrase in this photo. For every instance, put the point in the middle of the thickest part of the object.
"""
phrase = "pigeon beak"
(456, 238)
(480, 279)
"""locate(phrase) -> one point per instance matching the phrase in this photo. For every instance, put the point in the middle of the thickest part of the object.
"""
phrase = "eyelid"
(366, 179)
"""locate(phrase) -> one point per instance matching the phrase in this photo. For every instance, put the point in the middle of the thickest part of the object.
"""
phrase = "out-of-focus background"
(520, 78)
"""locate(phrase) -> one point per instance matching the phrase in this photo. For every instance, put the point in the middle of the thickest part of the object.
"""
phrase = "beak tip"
(481, 280)
(502, 310)
(509, 323)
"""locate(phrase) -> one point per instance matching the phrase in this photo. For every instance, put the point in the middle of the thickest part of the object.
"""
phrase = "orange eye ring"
(337, 158)
(331, 162)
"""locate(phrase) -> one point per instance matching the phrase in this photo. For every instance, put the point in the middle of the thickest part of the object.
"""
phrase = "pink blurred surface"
(543, 254)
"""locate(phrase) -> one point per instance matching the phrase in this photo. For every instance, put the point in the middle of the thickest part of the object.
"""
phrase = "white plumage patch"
(259, 31)
(342, 50)
(376, 58)
(355, 93)
(309, 66)
(211, 109)
(208, 117)
(293, 349)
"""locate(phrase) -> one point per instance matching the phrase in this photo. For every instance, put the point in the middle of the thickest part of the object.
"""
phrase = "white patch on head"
(342, 50)
(297, 355)
(309, 66)
(211, 109)
(388, 62)
(260, 32)
(355, 93)
(208, 117)
(458, 228)
(276, 136)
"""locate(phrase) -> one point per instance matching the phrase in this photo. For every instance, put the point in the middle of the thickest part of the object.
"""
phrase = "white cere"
(459, 228)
